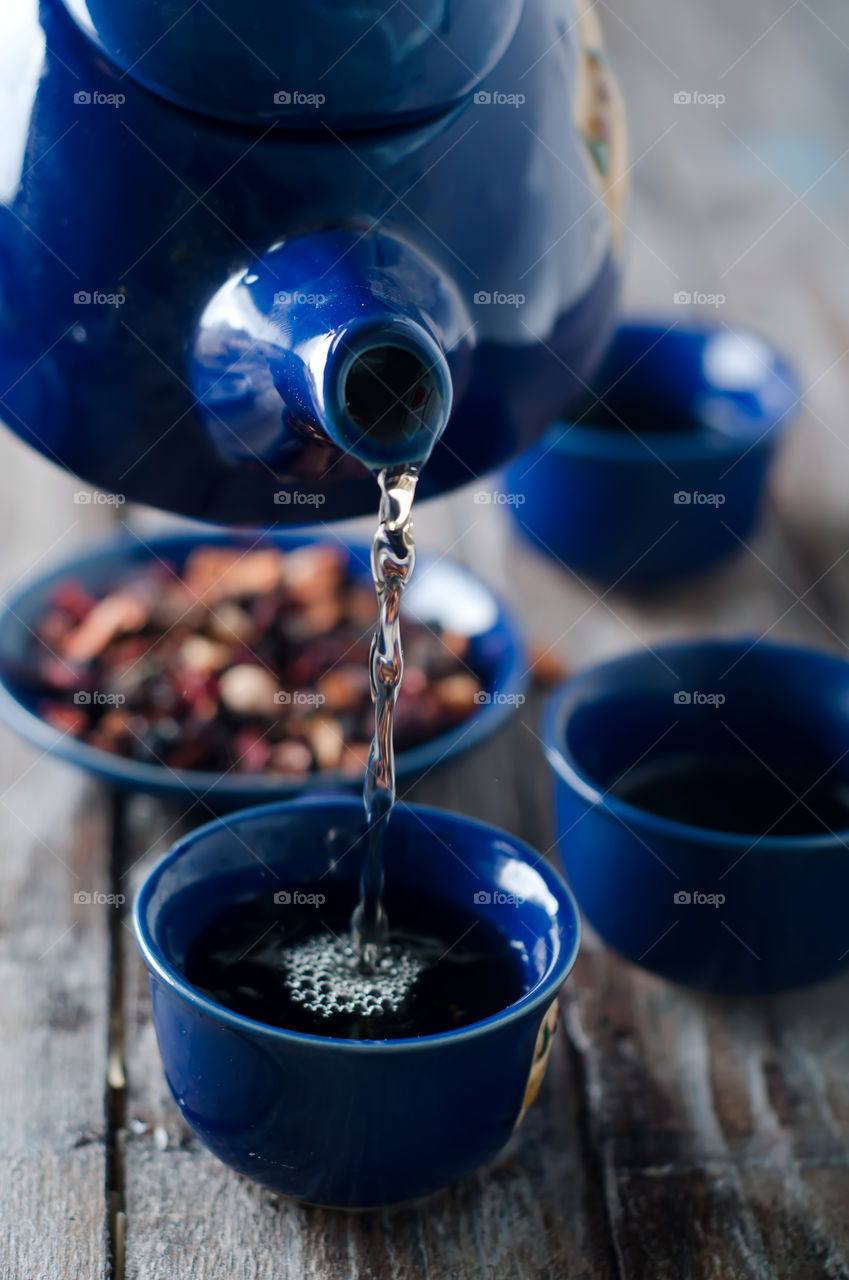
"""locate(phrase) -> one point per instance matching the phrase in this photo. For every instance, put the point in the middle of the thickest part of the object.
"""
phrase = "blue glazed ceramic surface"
(340, 1122)
(301, 322)
(129, 225)
(635, 502)
(782, 920)
(441, 591)
(356, 65)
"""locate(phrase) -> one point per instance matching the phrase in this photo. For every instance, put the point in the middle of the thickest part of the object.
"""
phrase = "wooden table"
(676, 1136)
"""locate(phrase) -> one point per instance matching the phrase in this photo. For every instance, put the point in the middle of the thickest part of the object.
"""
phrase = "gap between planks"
(115, 1099)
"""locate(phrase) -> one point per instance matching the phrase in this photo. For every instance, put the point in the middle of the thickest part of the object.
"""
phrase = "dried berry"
(343, 688)
(110, 617)
(546, 669)
(291, 757)
(249, 691)
(324, 735)
(458, 695)
(248, 661)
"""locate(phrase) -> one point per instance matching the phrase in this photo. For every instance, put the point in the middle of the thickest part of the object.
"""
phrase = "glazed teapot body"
(234, 294)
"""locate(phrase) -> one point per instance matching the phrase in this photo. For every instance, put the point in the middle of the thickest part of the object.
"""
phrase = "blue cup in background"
(714, 909)
(663, 473)
(350, 1123)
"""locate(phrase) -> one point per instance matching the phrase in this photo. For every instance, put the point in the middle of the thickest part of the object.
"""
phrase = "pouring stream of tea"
(367, 975)
(393, 559)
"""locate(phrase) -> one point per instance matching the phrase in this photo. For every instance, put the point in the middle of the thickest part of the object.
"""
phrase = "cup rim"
(170, 976)
(701, 444)
(568, 769)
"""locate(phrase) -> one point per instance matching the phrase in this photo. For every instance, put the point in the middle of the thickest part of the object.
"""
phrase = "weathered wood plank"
(724, 1156)
(533, 1215)
(53, 952)
(676, 1136)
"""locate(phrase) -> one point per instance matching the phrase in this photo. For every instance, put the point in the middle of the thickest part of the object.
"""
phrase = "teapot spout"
(342, 337)
(378, 387)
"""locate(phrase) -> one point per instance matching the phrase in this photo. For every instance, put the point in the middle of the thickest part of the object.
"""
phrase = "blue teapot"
(253, 250)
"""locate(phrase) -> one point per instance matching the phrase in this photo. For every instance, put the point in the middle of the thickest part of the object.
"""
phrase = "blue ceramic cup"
(350, 1123)
(666, 764)
(663, 474)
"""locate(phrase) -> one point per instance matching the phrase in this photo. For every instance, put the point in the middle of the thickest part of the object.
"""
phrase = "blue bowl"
(351, 1123)
(713, 909)
(650, 504)
(441, 591)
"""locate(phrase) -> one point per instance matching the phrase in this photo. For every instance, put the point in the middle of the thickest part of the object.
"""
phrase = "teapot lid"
(330, 64)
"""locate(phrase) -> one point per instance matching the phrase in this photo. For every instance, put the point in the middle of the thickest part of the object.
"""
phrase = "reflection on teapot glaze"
(177, 204)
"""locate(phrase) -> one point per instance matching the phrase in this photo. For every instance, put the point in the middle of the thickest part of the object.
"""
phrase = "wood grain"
(675, 1136)
(53, 952)
(531, 1214)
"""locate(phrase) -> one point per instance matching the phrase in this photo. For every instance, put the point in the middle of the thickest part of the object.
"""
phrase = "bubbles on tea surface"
(325, 976)
(441, 967)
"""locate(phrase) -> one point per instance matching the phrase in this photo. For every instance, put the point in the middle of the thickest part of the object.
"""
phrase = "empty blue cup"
(652, 752)
(353, 1123)
(663, 475)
